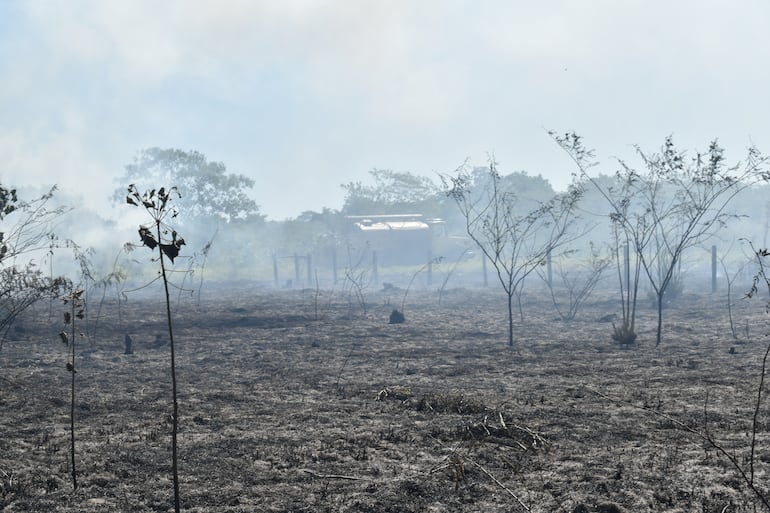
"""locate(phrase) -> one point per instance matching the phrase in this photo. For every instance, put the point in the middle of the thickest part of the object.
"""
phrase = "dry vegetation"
(281, 412)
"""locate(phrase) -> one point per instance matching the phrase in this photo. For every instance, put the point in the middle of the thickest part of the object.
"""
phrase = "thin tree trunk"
(175, 415)
(72, 402)
(510, 320)
(660, 318)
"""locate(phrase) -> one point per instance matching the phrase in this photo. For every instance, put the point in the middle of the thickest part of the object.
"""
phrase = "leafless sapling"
(730, 277)
(358, 275)
(75, 310)
(577, 283)
(674, 203)
(515, 236)
(116, 277)
(462, 255)
(397, 316)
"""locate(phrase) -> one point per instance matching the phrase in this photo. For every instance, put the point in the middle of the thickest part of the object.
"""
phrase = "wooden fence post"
(374, 268)
(296, 270)
(484, 268)
(334, 264)
(430, 267)
(275, 270)
(627, 265)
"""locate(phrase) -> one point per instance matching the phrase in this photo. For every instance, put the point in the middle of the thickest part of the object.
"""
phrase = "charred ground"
(297, 401)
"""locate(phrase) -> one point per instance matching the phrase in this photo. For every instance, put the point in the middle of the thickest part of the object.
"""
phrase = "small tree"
(158, 234)
(515, 240)
(358, 275)
(673, 204)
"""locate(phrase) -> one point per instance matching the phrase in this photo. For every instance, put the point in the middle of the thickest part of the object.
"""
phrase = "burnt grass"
(298, 401)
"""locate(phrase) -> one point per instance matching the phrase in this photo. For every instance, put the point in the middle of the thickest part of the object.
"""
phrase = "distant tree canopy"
(405, 193)
(530, 192)
(208, 191)
(393, 193)
(514, 230)
(528, 188)
(311, 230)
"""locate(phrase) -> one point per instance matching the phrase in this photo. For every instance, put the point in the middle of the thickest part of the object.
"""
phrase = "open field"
(293, 402)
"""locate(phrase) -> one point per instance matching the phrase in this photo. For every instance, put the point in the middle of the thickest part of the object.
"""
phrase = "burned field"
(299, 401)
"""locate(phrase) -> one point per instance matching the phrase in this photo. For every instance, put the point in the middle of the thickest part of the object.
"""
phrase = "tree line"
(636, 218)
(647, 215)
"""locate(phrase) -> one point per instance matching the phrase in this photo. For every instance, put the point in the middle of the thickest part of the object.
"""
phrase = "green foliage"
(206, 190)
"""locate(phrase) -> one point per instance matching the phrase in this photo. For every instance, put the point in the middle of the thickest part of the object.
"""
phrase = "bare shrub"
(675, 202)
(513, 235)
(27, 239)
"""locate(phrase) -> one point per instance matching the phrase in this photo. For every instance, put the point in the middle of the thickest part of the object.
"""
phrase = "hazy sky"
(306, 95)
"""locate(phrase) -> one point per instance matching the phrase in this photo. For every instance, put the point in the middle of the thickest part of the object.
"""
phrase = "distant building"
(398, 239)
